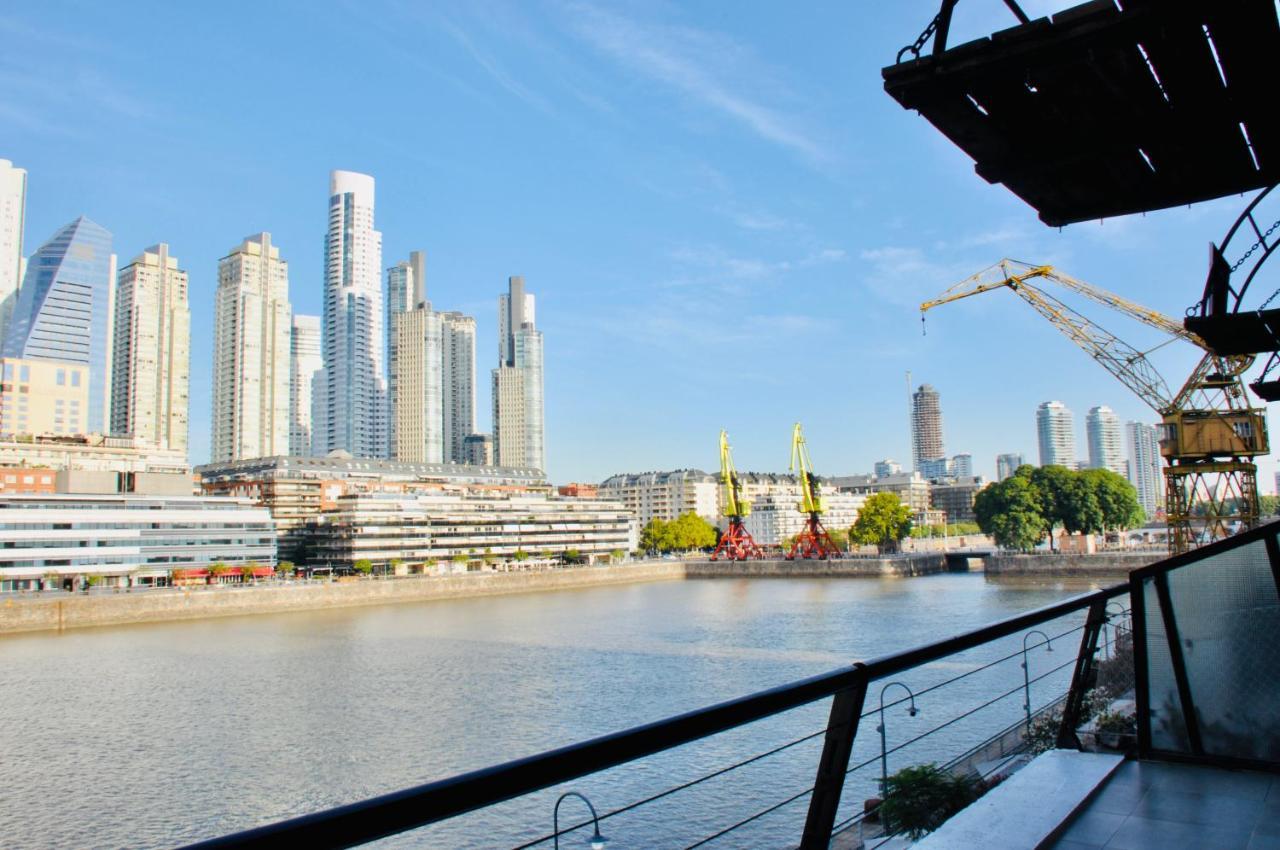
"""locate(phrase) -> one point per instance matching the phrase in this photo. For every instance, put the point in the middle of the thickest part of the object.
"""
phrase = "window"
(75, 381)
(60, 378)
(24, 373)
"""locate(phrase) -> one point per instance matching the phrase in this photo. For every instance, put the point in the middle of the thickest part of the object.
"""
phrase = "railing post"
(842, 728)
(1084, 677)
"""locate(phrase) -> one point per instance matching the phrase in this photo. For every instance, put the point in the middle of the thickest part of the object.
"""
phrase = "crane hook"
(923, 330)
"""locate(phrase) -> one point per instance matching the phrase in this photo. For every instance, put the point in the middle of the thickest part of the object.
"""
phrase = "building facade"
(478, 449)
(13, 209)
(423, 533)
(354, 385)
(458, 343)
(416, 386)
(775, 517)
(252, 353)
(962, 466)
(519, 425)
(43, 397)
(151, 355)
(885, 468)
(954, 499)
(1106, 447)
(306, 368)
(65, 310)
(926, 428)
(1007, 464)
(1144, 466)
(52, 536)
(1056, 431)
(665, 495)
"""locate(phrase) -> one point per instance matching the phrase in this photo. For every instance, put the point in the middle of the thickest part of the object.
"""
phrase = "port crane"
(1209, 435)
(813, 541)
(736, 544)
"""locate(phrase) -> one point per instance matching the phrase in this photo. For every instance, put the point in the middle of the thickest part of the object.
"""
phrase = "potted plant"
(919, 799)
(1116, 731)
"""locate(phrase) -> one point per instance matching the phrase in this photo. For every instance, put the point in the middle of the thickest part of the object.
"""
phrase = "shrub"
(919, 799)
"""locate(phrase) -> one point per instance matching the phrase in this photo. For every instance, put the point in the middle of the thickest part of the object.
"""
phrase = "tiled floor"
(1153, 806)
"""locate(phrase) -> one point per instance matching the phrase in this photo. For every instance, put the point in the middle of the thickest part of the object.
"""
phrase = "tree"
(571, 556)
(363, 566)
(690, 531)
(656, 536)
(459, 557)
(883, 522)
(919, 799)
(617, 555)
(218, 568)
(1117, 499)
(394, 565)
(1081, 513)
(521, 555)
(1051, 484)
(284, 567)
(1010, 512)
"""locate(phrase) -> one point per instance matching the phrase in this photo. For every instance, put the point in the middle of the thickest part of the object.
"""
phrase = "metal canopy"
(1104, 111)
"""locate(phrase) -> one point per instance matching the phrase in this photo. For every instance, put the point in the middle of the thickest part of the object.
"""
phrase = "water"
(157, 735)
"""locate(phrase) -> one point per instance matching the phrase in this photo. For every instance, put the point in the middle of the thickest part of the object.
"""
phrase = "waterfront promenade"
(59, 611)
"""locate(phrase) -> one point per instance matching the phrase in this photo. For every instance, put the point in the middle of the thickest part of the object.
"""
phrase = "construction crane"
(736, 544)
(813, 541)
(1209, 434)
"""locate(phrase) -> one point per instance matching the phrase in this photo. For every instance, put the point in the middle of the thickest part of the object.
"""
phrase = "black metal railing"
(847, 687)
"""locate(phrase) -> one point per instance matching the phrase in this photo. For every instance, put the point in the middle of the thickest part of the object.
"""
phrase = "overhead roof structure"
(1111, 107)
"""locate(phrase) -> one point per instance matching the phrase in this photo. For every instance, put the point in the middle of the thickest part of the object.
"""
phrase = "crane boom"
(810, 501)
(735, 507)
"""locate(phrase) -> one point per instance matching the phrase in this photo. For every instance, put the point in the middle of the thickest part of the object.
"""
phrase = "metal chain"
(919, 44)
(1256, 246)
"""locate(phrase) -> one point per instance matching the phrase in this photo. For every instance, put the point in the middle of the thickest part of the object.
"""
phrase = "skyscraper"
(305, 370)
(1055, 426)
(64, 310)
(252, 372)
(885, 468)
(402, 278)
(459, 348)
(355, 393)
(1007, 464)
(926, 429)
(1144, 466)
(151, 355)
(962, 465)
(1102, 429)
(13, 205)
(518, 417)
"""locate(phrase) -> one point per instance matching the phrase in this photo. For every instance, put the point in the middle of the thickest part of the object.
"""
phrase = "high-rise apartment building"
(1007, 464)
(1102, 428)
(926, 428)
(65, 312)
(306, 369)
(13, 205)
(459, 349)
(1055, 427)
(355, 393)
(518, 418)
(151, 354)
(479, 449)
(402, 278)
(962, 465)
(1144, 466)
(253, 331)
(885, 468)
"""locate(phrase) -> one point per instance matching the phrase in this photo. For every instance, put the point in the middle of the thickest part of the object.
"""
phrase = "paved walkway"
(1154, 806)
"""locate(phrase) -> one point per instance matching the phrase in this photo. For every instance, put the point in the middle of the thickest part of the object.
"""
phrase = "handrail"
(421, 805)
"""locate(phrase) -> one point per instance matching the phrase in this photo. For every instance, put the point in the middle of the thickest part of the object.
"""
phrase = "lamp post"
(884, 749)
(597, 840)
(1026, 672)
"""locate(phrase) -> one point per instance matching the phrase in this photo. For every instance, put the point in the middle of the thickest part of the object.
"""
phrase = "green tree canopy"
(1117, 499)
(1011, 512)
(883, 521)
(1019, 511)
(363, 566)
(691, 531)
(656, 536)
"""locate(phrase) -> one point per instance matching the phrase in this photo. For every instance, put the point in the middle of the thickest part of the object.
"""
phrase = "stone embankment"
(914, 565)
(1101, 563)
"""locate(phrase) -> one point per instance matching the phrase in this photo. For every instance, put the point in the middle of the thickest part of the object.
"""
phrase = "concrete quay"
(1045, 564)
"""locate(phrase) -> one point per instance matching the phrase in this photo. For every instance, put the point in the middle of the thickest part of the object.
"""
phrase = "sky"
(727, 223)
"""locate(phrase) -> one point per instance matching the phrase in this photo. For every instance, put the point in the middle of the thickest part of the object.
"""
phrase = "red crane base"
(737, 544)
(813, 541)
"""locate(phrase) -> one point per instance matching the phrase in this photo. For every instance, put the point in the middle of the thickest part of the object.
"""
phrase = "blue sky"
(726, 220)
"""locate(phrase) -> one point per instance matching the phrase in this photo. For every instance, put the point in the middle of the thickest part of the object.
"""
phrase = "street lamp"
(1026, 672)
(597, 840)
(884, 750)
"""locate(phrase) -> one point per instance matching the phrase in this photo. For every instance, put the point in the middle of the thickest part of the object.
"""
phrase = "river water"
(157, 735)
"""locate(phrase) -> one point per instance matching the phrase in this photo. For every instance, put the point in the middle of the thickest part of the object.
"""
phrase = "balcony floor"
(1159, 806)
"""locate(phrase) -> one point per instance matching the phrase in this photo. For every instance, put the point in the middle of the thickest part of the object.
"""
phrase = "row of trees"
(686, 532)
(1029, 505)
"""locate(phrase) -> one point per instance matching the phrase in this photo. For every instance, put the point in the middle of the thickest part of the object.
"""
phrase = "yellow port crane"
(736, 544)
(813, 541)
(1209, 434)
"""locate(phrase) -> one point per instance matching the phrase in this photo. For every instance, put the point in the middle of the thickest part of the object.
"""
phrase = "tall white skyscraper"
(926, 432)
(1144, 466)
(519, 423)
(1055, 426)
(1102, 429)
(13, 205)
(152, 351)
(305, 371)
(355, 394)
(251, 353)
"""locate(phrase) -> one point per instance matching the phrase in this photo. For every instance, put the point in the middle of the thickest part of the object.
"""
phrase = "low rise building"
(665, 495)
(576, 490)
(60, 539)
(43, 397)
(955, 497)
(414, 533)
(775, 517)
(297, 489)
(911, 488)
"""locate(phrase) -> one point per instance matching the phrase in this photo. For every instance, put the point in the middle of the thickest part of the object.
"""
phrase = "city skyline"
(774, 226)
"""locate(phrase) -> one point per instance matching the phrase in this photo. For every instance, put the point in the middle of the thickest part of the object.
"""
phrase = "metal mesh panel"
(1228, 620)
(1168, 729)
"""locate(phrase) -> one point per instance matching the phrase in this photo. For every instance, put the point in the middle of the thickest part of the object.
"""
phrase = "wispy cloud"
(494, 68)
(678, 57)
(714, 268)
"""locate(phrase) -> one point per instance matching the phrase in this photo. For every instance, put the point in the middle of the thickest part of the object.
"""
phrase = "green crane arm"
(810, 500)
